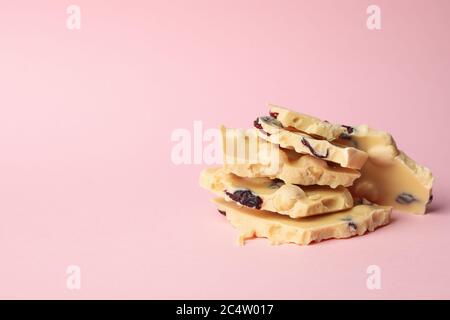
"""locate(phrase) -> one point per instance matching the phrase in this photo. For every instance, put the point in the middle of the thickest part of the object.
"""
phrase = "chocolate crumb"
(311, 149)
(222, 212)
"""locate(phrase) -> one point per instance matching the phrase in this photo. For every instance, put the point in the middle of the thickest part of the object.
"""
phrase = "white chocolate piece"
(278, 163)
(274, 195)
(271, 130)
(306, 123)
(279, 229)
(380, 145)
(401, 183)
(389, 177)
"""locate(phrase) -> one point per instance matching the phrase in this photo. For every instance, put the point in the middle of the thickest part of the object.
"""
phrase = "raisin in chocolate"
(246, 198)
(349, 129)
(276, 183)
(430, 199)
(271, 121)
(311, 149)
(405, 198)
(345, 136)
(352, 226)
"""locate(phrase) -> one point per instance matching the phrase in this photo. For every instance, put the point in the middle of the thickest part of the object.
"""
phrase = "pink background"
(85, 124)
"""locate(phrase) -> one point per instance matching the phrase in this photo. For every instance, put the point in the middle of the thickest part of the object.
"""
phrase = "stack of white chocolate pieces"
(296, 178)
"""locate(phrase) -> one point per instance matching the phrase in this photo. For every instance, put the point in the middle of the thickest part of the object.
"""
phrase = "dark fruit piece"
(257, 125)
(273, 114)
(271, 121)
(352, 226)
(276, 183)
(349, 129)
(246, 198)
(430, 199)
(405, 198)
(311, 149)
(345, 136)
(222, 212)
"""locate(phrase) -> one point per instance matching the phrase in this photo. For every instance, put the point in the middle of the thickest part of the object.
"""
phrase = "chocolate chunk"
(222, 212)
(311, 149)
(273, 114)
(405, 198)
(276, 183)
(246, 198)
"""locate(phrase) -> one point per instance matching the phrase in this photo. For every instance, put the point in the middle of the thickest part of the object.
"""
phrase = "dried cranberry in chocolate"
(311, 149)
(257, 125)
(273, 114)
(246, 198)
(405, 198)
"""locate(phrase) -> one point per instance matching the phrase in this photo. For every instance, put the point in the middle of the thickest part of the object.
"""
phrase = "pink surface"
(86, 118)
